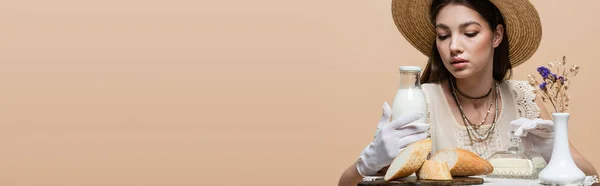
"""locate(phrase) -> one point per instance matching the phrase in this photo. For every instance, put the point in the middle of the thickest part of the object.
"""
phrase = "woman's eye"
(471, 34)
(442, 37)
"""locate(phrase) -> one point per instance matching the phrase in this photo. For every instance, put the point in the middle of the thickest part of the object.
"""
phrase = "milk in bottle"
(409, 97)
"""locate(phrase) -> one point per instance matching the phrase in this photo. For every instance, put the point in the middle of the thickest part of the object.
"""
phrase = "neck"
(475, 87)
(478, 84)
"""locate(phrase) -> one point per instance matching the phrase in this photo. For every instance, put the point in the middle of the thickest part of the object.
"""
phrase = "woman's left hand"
(538, 127)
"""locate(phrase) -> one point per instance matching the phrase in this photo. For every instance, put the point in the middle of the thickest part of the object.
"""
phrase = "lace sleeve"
(524, 99)
(527, 108)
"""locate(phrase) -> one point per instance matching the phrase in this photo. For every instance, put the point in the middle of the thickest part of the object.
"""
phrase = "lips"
(458, 60)
(459, 63)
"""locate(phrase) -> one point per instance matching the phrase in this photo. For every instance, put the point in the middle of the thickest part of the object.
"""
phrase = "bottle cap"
(410, 69)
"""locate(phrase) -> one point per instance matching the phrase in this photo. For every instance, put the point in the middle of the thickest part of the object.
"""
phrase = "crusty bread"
(409, 160)
(434, 170)
(463, 162)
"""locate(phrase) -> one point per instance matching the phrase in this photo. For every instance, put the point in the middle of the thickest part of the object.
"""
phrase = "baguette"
(434, 170)
(409, 160)
(463, 163)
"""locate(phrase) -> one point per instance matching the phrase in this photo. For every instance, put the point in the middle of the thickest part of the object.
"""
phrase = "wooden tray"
(415, 181)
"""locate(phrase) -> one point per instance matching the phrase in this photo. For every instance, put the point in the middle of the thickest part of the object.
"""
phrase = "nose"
(455, 46)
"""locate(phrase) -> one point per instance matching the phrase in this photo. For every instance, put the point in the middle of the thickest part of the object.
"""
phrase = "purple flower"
(561, 79)
(543, 86)
(544, 72)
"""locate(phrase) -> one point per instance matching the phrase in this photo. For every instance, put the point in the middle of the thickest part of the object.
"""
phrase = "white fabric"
(389, 139)
(589, 180)
(517, 101)
(537, 126)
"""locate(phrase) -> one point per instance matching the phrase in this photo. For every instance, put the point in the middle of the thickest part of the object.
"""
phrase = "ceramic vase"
(561, 170)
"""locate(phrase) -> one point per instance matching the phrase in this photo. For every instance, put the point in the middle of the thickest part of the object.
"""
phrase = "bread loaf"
(409, 160)
(434, 170)
(463, 163)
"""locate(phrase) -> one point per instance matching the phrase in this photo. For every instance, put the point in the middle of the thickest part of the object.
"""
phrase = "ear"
(498, 35)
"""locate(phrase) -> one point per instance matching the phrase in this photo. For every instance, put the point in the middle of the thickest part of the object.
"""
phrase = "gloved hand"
(389, 139)
(538, 127)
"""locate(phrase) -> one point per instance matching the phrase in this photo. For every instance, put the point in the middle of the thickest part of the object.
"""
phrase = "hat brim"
(523, 26)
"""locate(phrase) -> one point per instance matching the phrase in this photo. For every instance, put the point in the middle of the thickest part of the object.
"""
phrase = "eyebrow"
(463, 25)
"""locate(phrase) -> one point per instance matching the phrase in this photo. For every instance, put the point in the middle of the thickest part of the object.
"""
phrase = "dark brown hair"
(435, 71)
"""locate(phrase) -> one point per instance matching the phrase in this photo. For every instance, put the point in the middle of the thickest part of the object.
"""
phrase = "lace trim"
(524, 98)
(525, 106)
(483, 149)
(590, 180)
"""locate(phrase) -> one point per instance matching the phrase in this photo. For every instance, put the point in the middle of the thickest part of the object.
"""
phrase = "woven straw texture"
(523, 26)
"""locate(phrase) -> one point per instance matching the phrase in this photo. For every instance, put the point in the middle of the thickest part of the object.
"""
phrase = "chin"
(461, 74)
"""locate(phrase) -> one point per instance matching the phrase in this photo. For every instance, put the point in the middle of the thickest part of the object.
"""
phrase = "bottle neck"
(410, 80)
(515, 144)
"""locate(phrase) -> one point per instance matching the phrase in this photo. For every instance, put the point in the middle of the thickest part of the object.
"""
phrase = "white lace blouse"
(448, 132)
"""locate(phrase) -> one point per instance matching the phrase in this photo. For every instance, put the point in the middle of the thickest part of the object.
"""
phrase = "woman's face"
(465, 41)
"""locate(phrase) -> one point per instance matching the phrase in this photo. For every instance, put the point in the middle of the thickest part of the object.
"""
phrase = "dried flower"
(561, 79)
(554, 86)
(544, 72)
(543, 86)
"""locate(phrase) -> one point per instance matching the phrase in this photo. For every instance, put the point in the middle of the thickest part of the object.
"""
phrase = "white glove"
(538, 127)
(389, 139)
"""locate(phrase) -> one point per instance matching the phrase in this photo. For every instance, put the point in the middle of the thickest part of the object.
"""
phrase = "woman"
(472, 46)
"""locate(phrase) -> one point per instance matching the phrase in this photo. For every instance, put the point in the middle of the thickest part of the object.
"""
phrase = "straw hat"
(522, 24)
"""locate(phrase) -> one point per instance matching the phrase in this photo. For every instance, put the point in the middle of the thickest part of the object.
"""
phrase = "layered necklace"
(472, 129)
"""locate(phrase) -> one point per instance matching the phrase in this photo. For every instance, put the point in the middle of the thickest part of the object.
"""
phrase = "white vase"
(561, 169)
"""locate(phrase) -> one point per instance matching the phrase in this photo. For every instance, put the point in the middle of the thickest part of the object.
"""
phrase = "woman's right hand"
(390, 138)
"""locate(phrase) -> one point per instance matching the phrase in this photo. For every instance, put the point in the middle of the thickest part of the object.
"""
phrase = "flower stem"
(550, 98)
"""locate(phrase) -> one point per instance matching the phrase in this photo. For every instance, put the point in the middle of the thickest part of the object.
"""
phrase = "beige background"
(262, 92)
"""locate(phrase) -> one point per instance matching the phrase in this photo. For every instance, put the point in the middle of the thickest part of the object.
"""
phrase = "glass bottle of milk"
(409, 98)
